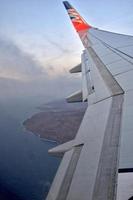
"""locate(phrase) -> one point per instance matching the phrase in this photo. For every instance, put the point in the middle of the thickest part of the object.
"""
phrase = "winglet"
(78, 22)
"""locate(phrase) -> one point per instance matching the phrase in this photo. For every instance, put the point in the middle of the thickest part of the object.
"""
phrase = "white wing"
(90, 164)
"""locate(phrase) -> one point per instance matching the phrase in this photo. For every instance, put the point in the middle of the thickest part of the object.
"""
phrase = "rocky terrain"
(57, 121)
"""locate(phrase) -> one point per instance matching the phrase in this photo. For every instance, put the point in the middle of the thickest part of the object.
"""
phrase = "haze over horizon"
(38, 45)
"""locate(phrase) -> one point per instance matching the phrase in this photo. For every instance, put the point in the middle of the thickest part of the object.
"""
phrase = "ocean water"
(26, 169)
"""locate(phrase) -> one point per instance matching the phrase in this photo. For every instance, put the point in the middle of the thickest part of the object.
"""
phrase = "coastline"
(37, 135)
(58, 122)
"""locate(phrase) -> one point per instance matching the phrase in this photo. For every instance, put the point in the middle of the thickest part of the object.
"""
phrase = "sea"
(26, 168)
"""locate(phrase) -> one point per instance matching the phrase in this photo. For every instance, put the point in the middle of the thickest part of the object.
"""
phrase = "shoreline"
(58, 123)
(41, 138)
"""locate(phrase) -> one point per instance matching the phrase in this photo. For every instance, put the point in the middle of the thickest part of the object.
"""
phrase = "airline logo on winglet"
(78, 22)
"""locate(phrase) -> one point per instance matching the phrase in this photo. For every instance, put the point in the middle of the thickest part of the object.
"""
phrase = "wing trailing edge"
(76, 97)
(76, 69)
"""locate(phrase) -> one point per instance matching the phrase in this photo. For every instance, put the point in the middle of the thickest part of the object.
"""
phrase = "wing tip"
(78, 22)
(67, 5)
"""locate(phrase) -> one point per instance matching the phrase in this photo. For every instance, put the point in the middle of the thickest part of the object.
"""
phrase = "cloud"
(33, 57)
(14, 63)
(62, 56)
(59, 46)
(22, 76)
(46, 88)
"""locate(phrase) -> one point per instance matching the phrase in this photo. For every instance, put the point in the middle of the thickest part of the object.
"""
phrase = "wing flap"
(76, 69)
(75, 97)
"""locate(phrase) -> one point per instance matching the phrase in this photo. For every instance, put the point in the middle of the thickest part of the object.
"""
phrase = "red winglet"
(78, 22)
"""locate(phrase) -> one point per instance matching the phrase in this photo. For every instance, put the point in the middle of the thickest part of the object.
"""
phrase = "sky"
(38, 44)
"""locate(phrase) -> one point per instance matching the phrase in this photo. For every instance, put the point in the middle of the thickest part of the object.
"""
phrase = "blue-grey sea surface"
(26, 169)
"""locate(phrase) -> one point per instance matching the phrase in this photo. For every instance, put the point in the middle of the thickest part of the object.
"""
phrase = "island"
(57, 121)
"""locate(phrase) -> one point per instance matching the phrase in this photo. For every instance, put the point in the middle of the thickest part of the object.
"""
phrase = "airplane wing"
(103, 144)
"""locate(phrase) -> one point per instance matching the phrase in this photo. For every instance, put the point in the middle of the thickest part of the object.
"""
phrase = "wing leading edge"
(90, 164)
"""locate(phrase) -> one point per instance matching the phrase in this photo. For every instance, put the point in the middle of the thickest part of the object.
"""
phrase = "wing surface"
(103, 144)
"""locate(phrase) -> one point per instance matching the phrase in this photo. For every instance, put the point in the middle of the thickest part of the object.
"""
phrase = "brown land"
(57, 121)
